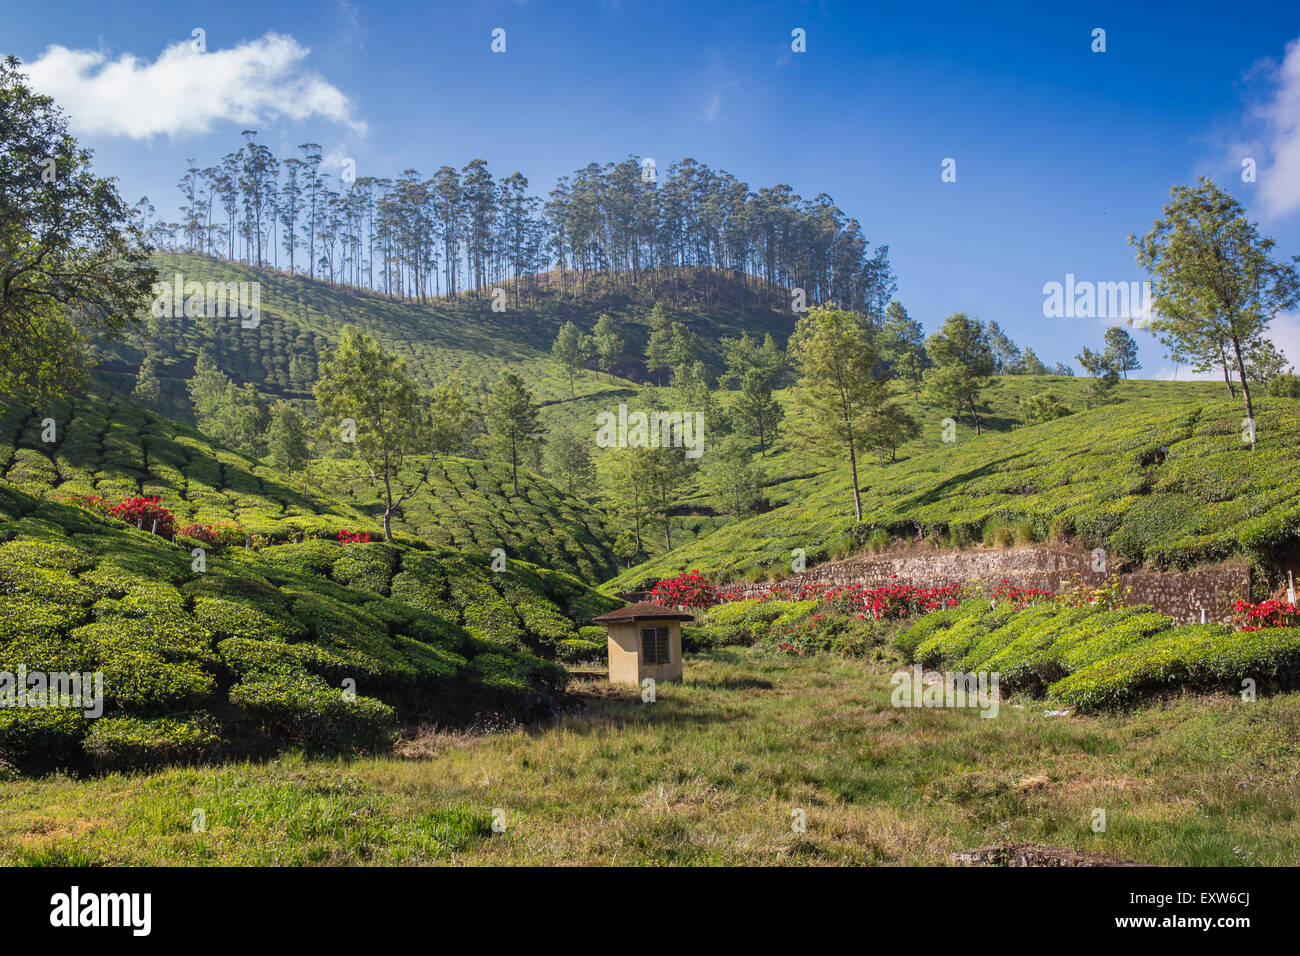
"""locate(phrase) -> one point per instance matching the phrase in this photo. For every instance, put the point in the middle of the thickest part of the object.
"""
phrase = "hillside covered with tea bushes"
(1161, 476)
(1094, 656)
(313, 644)
(469, 504)
(113, 449)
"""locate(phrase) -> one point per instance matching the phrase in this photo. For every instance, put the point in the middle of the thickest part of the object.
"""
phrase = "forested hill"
(440, 338)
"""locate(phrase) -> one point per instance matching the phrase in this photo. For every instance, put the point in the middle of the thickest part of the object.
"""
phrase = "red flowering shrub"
(96, 503)
(1256, 617)
(1014, 594)
(354, 537)
(146, 513)
(215, 535)
(688, 590)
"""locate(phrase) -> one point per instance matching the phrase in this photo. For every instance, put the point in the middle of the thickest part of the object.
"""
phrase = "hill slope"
(314, 644)
(1097, 476)
(114, 449)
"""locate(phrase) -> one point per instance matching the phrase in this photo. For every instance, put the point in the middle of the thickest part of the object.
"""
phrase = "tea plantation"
(470, 505)
(312, 644)
(1091, 657)
(1161, 476)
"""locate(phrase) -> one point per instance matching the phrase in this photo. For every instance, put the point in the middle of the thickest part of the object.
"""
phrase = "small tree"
(1104, 375)
(659, 347)
(452, 420)
(572, 350)
(571, 460)
(148, 386)
(902, 345)
(1036, 409)
(733, 480)
(286, 439)
(1215, 280)
(832, 351)
(963, 362)
(1121, 351)
(607, 343)
(361, 382)
(512, 420)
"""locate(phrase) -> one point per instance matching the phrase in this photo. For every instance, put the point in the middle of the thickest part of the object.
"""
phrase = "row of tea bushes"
(314, 645)
(1093, 656)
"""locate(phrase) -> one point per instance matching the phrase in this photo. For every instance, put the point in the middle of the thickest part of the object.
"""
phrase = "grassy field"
(711, 773)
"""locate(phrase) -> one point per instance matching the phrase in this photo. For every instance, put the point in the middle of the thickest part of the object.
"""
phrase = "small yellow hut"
(645, 640)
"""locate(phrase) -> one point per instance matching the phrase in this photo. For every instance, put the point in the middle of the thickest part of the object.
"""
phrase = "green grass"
(710, 774)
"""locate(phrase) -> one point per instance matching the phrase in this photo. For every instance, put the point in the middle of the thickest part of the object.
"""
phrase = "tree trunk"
(1227, 377)
(853, 468)
(1245, 389)
(388, 507)
(976, 416)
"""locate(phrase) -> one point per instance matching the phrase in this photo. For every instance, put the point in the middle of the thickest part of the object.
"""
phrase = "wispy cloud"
(1270, 133)
(185, 93)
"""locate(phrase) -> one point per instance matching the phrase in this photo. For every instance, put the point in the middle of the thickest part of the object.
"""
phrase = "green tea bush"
(313, 715)
(133, 743)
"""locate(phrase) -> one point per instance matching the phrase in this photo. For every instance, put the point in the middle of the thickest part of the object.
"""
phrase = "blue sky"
(1061, 152)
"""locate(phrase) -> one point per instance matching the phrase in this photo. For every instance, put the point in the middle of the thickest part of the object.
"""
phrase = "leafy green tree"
(362, 387)
(630, 494)
(1214, 277)
(148, 386)
(1036, 409)
(73, 262)
(1121, 351)
(300, 372)
(665, 471)
(286, 438)
(832, 351)
(1031, 364)
(659, 347)
(888, 426)
(732, 479)
(572, 350)
(1286, 385)
(452, 420)
(902, 344)
(963, 360)
(684, 350)
(626, 547)
(1006, 354)
(513, 425)
(756, 413)
(607, 343)
(233, 415)
(1062, 369)
(1101, 366)
(1265, 362)
(571, 460)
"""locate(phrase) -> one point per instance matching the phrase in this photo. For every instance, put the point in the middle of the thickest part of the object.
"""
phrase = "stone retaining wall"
(1180, 594)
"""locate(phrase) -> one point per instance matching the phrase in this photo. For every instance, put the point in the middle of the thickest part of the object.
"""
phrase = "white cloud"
(186, 93)
(1279, 139)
